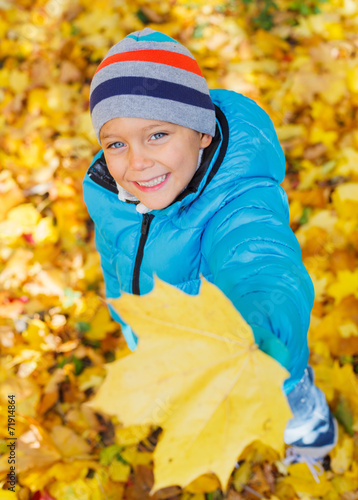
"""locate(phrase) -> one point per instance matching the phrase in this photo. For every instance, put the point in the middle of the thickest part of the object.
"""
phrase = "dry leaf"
(196, 370)
(69, 443)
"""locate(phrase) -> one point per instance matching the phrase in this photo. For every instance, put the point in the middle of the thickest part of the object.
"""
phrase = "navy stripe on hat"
(150, 87)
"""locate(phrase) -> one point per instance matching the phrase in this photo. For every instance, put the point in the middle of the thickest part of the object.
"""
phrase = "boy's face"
(151, 159)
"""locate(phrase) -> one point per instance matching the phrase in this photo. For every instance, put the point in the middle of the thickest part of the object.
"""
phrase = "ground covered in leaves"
(299, 61)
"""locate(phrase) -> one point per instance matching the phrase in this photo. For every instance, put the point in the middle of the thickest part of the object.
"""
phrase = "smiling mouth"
(153, 182)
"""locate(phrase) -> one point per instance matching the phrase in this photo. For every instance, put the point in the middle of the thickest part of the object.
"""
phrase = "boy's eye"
(158, 135)
(116, 145)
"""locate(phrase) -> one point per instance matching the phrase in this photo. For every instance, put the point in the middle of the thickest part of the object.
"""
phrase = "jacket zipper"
(147, 219)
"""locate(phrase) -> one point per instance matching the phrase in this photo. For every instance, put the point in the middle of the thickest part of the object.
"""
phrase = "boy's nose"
(138, 160)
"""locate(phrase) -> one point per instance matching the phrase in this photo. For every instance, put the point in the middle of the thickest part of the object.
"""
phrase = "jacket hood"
(245, 152)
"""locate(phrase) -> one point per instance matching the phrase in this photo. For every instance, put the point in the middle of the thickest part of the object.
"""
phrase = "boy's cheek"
(113, 166)
(114, 173)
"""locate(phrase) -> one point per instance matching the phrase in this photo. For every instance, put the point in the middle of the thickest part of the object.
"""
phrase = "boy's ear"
(205, 140)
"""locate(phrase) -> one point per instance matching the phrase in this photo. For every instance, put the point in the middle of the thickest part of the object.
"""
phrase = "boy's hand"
(271, 345)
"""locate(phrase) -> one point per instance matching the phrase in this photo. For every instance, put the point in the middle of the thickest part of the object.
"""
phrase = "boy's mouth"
(153, 184)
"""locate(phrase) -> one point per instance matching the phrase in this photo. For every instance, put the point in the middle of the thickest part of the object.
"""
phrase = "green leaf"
(78, 364)
(74, 30)
(95, 344)
(344, 415)
(142, 17)
(305, 215)
(264, 21)
(328, 166)
(83, 326)
(108, 454)
(109, 356)
(3, 446)
(199, 30)
(345, 359)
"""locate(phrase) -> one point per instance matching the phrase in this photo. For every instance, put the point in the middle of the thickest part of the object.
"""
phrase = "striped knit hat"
(150, 75)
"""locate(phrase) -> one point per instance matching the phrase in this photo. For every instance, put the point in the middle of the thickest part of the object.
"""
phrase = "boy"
(187, 183)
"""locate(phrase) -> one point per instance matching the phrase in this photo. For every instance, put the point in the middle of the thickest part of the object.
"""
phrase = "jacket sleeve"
(112, 288)
(255, 259)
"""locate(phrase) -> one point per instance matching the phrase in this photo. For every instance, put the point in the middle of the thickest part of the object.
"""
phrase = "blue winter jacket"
(230, 225)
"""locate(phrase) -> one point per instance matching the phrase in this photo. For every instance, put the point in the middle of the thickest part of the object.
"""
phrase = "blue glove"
(271, 345)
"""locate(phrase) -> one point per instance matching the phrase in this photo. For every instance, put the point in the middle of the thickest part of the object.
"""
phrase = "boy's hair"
(150, 75)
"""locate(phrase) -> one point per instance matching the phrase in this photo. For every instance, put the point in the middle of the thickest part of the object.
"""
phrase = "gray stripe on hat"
(199, 119)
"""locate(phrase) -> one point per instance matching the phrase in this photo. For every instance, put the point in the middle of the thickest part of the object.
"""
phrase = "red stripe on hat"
(156, 56)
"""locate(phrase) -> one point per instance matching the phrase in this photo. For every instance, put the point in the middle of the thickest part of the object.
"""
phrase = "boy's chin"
(156, 203)
(155, 206)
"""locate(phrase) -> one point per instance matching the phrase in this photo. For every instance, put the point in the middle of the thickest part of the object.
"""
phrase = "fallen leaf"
(35, 448)
(242, 475)
(342, 455)
(69, 443)
(345, 285)
(345, 199)
(301, 478)
(196, 370)
(11, 194)
(118, 471)
(203, 484)
(47, 401)
(131, 435)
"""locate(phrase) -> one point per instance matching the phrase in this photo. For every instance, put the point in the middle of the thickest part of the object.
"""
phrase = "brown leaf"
(36, 449)
(171, 492)
(39, 72)
(69, 393)
(140, 484)
(258, 481)
(235, 495)
(350, 495)
(152, 15)
(110, 343)
(314, 152)
(143, 482)
(315, 197)
(69, 72)
(270, 473)
(341, 259)
(47, 401)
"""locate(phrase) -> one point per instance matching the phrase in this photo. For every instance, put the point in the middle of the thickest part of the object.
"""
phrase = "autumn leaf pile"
(55, 331)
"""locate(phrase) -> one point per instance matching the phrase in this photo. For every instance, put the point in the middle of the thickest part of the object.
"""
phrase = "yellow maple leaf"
(126, 436)
(345, 200)
(342, 455)
(303, 481)
(101, 324)
(352, 79)
(11, 194)
(6, 495)
(119, 471)
(198, 374)
(345, 285)
(37, 478)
